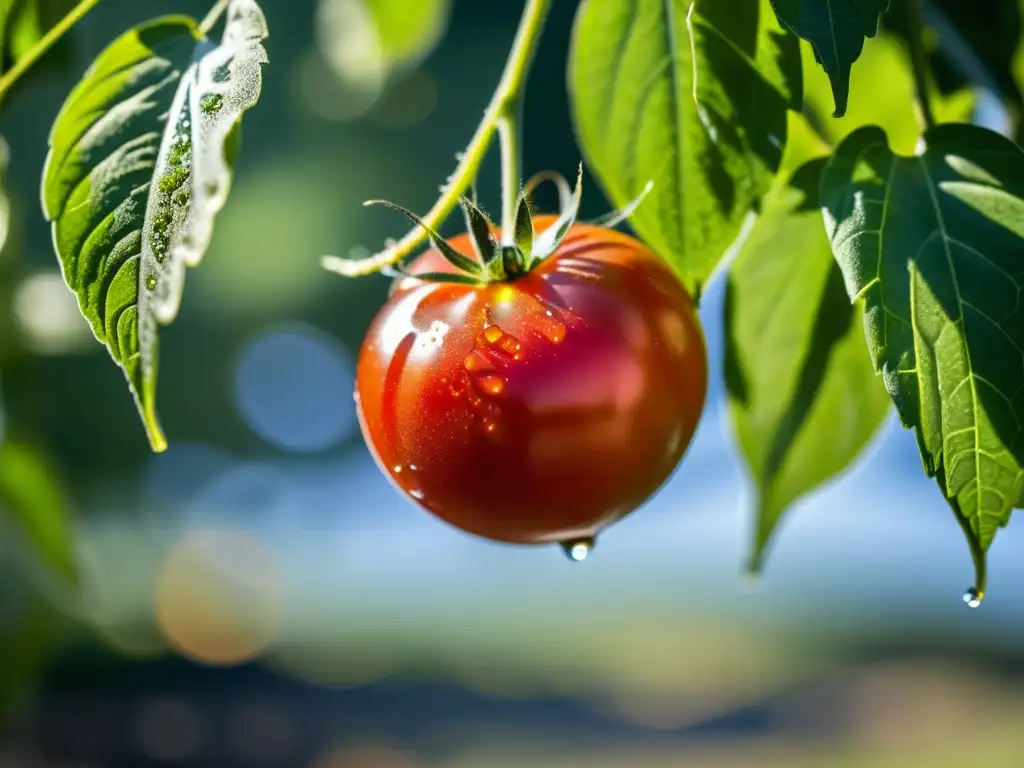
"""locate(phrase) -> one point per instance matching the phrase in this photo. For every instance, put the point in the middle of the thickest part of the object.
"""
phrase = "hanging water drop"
(973, 597)
(577, 550)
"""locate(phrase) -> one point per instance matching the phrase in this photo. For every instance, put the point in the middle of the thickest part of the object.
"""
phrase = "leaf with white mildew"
(139, 165)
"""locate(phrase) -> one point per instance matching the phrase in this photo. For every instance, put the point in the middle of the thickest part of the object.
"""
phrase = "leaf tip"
(157, 440)
(750, 578)
(754, 567)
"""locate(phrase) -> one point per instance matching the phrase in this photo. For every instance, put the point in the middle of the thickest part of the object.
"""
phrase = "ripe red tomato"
(540, 409)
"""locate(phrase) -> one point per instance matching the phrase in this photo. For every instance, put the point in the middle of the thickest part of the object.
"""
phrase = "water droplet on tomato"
(475, 361)
(493, 334)
(511, 345)
(973, 597)
(578, 550)
(413, 467)
(549, 329)
(417, 494)
(492, 385)
(397, 469)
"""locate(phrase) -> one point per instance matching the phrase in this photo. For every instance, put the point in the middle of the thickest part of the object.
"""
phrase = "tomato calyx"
(519, 251)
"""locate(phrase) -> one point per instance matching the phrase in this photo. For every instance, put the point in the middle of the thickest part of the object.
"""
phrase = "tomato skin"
(538, 410)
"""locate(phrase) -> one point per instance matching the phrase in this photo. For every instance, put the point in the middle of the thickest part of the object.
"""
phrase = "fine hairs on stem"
(501, 116)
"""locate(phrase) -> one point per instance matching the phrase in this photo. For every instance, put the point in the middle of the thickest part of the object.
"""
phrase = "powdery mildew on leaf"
(139, 166)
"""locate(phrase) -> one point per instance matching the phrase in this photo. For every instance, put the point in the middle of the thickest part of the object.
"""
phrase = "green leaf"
(892, 107)
(408, 29)
(698, 108)
(24, 22)
(32, 499)
(803, 395)
(137, 172)
(836, 30)
(367, 42)
(934, 245)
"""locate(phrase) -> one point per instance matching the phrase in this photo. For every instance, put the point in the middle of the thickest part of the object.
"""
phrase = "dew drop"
(151, 282)
(475, 362)
(493, 334)
(552, 330)
(578, 550)
(511, 345)
(492, 385)
(397, 469)
(417, 494)
(973, 597)
(413, 467)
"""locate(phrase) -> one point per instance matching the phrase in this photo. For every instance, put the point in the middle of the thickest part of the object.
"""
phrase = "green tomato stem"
(509, 137)
(919, 65)
(44, 44)
(502, 114)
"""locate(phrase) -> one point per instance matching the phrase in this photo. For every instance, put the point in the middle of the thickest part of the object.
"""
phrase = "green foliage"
(408, 29)
(32, 498)
(802, 391)
(836, 30)
(137, 171)
(697, 103)
(933, 244)
(694, 102)
(23, 22)
(891, 107)
(368, 42)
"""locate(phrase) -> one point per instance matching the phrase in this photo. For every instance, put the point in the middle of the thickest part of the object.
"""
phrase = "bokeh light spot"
(219, 597)
(294, 389)
(48, 314)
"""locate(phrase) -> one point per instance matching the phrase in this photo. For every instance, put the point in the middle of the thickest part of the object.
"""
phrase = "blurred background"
(258, 595)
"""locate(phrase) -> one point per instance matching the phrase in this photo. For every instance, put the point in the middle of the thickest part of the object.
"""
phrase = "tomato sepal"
(479, 228)
(458, 260)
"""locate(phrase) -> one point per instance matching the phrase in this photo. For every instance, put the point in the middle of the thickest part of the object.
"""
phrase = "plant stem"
(511, 174)
(502, 115)
(45, 43)
(919, 65)
(210, 20)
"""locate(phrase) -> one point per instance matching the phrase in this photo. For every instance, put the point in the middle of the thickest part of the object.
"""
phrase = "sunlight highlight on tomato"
(541, 409)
